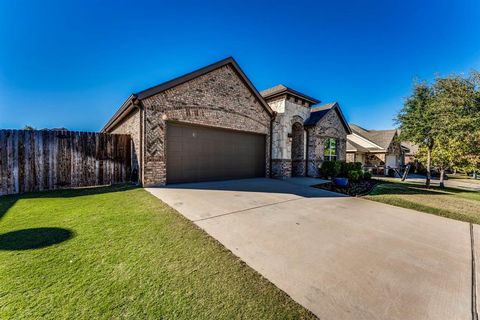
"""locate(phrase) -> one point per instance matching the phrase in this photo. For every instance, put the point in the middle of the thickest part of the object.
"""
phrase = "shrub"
(355, 175)
(330, 169)
(357, 165)
(367, 175)
(346, 167)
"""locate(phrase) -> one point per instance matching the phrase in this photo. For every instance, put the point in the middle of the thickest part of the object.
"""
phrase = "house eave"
(130, 104)
(202, 71)
(293, 93)
(127, 107)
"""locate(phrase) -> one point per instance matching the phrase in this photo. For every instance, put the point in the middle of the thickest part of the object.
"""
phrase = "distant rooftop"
(382, 138)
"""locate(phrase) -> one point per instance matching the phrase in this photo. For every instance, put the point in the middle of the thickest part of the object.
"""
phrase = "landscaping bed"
(358, 188)
(347, 178)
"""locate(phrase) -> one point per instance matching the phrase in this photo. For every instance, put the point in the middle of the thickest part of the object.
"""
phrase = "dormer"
(280, 96)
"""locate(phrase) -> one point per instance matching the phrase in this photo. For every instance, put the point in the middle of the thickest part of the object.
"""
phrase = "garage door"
(196, 153)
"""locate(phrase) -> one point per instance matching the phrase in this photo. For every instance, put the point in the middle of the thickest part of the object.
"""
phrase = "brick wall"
(218, 99)
(330, 126)
(131, 126)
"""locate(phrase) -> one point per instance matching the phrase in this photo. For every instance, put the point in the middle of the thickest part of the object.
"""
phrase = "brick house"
(213, 124)
(375, 149)
(303, 133)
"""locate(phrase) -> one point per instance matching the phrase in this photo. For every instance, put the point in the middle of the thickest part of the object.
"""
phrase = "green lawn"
(118, 252)
(449, 202)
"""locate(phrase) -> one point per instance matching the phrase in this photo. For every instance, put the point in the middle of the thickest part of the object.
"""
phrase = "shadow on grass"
(405, 188)
(34, 238)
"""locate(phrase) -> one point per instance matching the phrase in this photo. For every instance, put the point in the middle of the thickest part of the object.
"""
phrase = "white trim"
(367, 143)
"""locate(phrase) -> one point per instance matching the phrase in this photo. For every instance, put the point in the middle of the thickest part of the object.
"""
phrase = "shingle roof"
(282, 89)
(382, 138)
(326, 106)
(273, 90)
(318, 112)
(357, 129)
(315, 117)
(412, 147)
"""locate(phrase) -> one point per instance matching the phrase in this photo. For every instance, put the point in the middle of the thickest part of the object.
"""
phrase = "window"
(330, 152)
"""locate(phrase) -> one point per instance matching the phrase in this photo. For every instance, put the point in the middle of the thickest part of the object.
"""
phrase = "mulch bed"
(354, 189)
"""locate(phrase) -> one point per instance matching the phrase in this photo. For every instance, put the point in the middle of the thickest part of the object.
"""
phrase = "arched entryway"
(298, 150)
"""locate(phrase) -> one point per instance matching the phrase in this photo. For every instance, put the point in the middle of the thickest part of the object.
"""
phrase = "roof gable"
(319, 112)
(128, 105)
(200, 72)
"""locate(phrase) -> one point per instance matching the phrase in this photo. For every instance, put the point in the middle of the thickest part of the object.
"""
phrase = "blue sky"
(72, 63)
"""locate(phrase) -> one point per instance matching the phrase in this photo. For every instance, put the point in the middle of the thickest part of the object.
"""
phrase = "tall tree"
(417, 122)
(457, 104)
(444, 155)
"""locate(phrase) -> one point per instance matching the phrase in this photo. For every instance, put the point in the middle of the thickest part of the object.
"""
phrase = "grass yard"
(452, 203)
(119, 253)
(463, 178)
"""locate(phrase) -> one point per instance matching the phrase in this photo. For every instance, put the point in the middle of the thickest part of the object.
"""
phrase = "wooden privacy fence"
(35, 160)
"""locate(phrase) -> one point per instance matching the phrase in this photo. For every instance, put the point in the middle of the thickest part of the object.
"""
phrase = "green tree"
(28, 127)
(457, 104)
(444, 120)
(444, 155)
(417, 122)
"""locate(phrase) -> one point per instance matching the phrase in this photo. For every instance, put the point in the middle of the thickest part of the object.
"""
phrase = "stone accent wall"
(330, 126)
(217, 99)
(298, 148)
(281, 168)
(282, 147)
(278, 104)
(290, 111)
(131, 126)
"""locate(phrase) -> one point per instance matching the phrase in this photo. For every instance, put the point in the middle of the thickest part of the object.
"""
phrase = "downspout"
(138, 104)
(272, 120)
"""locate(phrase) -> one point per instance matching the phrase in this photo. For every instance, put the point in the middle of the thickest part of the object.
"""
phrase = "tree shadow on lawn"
(34, 238)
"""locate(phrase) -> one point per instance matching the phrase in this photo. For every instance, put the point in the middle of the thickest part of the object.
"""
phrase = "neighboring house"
(375, 149)
(213, 124)
(411, 151)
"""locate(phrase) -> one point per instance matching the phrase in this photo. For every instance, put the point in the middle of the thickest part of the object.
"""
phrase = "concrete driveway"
(340, 257)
